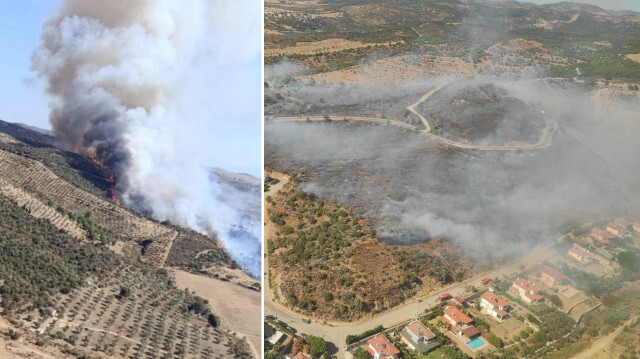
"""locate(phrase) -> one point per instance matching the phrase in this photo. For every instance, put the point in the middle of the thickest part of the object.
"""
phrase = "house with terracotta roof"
(459, 323)
(601, 236)
(616, 229)
(457, 301)
(381, 347)
(495, 305)
(580, 255)
(418, 337)
(551, 277)
(298, 355)
(527, 291)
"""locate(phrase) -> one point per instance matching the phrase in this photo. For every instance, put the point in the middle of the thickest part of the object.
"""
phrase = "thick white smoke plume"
(145, 87)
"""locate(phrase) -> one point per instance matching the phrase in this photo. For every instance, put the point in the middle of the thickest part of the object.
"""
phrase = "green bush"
(354, 338)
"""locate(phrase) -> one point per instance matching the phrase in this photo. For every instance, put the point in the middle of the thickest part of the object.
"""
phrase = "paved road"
(336, 332)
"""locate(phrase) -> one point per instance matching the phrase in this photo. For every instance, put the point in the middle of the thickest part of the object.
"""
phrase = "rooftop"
(470, 332)
(495, 300)
(554, 273)
(525, 284)
(419, 330)
(455, 314)
(382, 345)
(581, 252)
(421, 347)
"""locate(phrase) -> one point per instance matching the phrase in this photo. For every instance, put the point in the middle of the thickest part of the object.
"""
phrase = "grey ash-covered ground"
(411, 189)
(483, 114)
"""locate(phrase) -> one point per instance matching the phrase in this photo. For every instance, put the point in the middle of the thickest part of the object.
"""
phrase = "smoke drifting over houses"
(131, 85)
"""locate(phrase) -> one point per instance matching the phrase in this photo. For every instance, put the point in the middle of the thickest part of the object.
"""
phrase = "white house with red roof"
(495, 305)
(580, 255)
(459, 323)
(381, 347)
(527, 291)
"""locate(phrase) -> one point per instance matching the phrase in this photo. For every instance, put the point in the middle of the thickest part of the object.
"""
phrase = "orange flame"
(111, 179)
(94, 159)
(114, 195)
(218, 244)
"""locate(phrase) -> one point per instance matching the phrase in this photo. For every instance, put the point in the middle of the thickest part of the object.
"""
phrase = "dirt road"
(238, 307)
(422, 99)
(545, 140)
(601, 343)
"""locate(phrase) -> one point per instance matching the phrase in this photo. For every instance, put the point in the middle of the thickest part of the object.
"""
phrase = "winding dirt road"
(545, 140)
(422, 99)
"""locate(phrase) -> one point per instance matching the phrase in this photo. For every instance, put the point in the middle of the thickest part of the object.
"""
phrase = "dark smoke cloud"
(132, 84)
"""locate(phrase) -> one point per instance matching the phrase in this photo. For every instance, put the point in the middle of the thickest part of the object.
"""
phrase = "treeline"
(95, 232)
(352, 338)
(71, 167)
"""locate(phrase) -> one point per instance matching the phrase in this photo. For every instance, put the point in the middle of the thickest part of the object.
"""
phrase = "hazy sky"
(22, 97)
(605, 4)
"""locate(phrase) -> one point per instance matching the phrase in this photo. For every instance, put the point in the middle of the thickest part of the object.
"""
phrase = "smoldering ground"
(158, 91)
(413, 188)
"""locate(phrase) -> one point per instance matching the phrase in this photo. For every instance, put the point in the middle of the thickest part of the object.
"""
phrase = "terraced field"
(41, 210)
(34, 177)
(134, 309)
(150, 323)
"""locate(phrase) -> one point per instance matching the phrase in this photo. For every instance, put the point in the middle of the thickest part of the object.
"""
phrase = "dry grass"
(238, 307)
(315, 47)
(634, 57)
(362, 275)
(398, 69)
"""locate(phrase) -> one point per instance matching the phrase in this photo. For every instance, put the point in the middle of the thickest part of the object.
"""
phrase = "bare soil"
(238, 307)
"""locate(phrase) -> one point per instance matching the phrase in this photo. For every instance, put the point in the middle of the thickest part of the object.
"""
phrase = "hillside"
(453, 36)
(327, 264)
(110, 274)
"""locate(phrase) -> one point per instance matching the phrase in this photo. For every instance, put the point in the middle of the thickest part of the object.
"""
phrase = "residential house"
(459, 323)
(616, 229)
(418, 337)
(380, 347)
(601, 236)
(495, 305)
(551, 277)
(580, 255)
(277, 337)
(527, 291)
(299, 355)
(457, 300)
